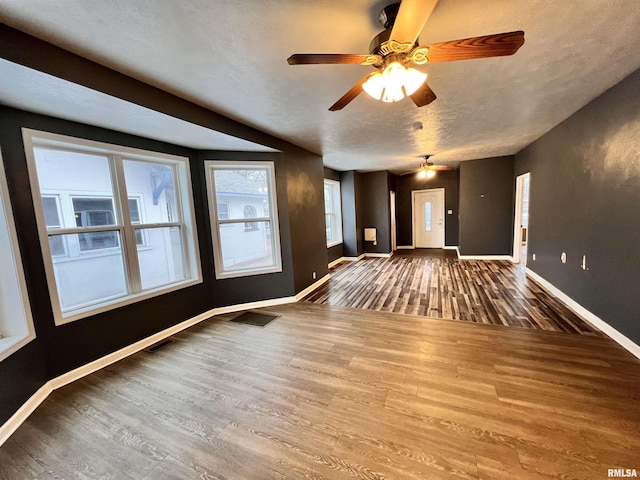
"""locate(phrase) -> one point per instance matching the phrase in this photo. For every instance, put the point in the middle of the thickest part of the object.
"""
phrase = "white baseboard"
(23, 412)
(336, 262)
(405, 247)
(37, 398)
(379, 255)
(586, 315)
(485, 257)
(450, 247)
(312, 287)
(354, 259)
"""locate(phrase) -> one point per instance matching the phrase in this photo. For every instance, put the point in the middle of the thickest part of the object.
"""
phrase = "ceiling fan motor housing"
(388, 14)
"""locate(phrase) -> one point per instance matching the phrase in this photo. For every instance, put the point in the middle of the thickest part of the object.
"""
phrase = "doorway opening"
(392, 210)
(521, 219)
(428, 218)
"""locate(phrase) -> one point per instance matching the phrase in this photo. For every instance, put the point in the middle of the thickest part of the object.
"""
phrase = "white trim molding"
(11, 425)
(299, 296)
(586, 315)
(354, 259)
(336, 262)
(379, 255)
(484, 257)
(405, 247)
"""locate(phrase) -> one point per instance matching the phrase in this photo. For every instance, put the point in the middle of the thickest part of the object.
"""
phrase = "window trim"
(11, 343)
(273, 218)
(117, 154)
(336, 201)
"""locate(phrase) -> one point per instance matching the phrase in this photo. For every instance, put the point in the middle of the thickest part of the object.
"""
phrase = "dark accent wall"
(336, 251)
(305, 189)
(584, 200)
(69, 346)
(405, 184)
(486, 206)
(232, 291)
(59, 349)
(376, 212)
(351, 246)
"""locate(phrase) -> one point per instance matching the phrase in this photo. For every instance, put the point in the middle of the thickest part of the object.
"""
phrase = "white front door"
(428, 218)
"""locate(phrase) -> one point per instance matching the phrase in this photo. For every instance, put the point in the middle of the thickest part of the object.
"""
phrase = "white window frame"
(210, 167)
(117, 155)
(16, 329)
(336, 213)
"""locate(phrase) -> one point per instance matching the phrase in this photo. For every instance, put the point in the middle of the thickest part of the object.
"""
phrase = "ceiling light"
(422, 173)
(394, 83)
(431, 173)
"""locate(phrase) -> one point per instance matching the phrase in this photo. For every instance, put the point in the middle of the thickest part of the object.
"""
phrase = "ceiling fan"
(428, 169)
(392, 50)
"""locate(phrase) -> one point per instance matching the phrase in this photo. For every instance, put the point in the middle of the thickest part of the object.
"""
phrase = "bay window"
(116, 224)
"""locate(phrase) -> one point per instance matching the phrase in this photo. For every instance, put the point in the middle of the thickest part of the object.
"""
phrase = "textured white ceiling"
(230, 56)
(34, 91)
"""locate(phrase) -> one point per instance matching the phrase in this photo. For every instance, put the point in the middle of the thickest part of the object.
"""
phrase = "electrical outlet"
(313, 275)
(563, 257)
(534, 257)
(584, 262)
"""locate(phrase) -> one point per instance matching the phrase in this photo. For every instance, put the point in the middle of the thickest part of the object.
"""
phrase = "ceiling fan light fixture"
(431, 173)
(394, 83)
(374, 86)
(413, 80)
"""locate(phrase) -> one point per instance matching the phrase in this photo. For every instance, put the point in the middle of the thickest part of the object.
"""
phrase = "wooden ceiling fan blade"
(423, 96)
(497, 45)
(350, 95)
(411, 18)
(333, 59)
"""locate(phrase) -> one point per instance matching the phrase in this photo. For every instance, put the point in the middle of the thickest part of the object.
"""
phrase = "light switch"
(449, 212)
(563, 257)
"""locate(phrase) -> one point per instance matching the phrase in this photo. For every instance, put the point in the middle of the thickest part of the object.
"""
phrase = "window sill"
(9, 345)
(333, 244)
(247, 273)
(96, 308)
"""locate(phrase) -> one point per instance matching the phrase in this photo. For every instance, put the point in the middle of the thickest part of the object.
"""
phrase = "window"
(245, 231)
(250, 212)
(51, 207)
(95, 212)
(332, 212)
(116, 224)
(427, 216)
(223, 210)
(16, 325)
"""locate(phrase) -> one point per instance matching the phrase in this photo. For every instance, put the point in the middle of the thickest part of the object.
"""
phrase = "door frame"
(517, 217)
(413, 214)
(392, 212)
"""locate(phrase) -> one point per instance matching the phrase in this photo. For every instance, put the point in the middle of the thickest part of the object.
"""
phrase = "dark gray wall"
(486, 206)
(232, 291)
(376, 213)
(59, 349)
(305, 190)
(585, 199)
(337, 251)
(351, 246)
(405, 184)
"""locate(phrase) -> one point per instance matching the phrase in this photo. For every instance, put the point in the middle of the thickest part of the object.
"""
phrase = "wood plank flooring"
(441, 286)
(337, 393)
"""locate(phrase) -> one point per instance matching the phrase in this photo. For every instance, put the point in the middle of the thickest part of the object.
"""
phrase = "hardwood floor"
(441, 286)
(335, 393)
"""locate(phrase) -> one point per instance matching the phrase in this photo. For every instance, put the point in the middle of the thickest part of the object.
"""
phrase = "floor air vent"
(158, 346)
